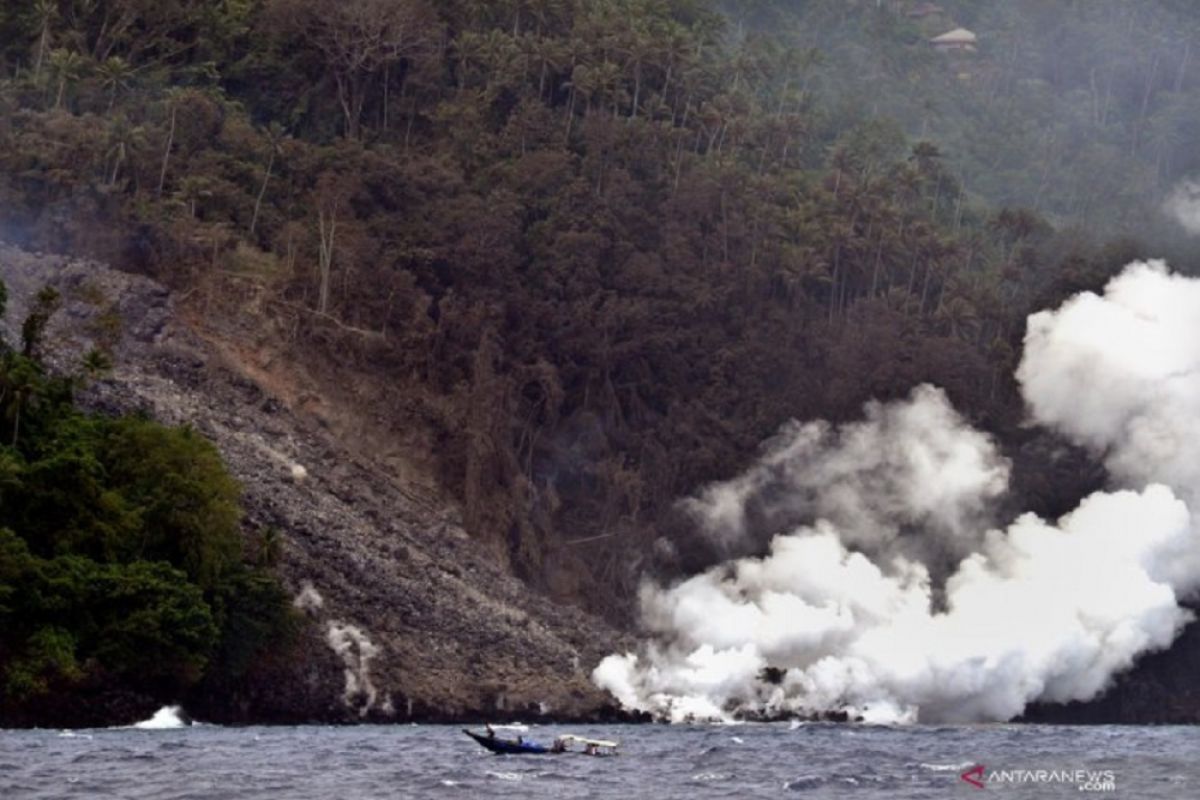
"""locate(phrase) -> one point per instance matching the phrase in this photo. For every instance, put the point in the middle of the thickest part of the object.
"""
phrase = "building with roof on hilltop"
(959, 40)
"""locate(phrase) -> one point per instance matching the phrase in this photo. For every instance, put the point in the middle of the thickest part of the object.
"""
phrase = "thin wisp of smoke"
(1183, 205)
(842, 606)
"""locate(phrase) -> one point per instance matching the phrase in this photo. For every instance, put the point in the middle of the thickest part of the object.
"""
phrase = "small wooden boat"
(591, 747)
(509, 747)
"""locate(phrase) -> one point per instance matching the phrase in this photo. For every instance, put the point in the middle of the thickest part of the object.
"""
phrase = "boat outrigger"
(591, 747)
(562, 744)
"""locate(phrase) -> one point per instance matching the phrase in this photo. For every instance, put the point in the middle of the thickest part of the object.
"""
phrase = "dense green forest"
(602, 248)
(120, 547)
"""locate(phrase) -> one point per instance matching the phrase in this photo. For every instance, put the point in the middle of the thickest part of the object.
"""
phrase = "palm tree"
(959, 316)
(172, 103)
(548, 52)
(22, 383)
(66, 66)
(275, 136)
(96, 363)
(115, 74)
(193, 189)
(467, 47)
(546, 12)
(676, 49)
(45, 12)
(639, 47)
(123, 137)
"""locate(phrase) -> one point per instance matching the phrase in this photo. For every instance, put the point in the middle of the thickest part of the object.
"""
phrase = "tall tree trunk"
(637, 89)
(120, 156)
(162, 175)
(43, 40)
(262, 191)
(1146, 91)
(1183, 65)
(570, 116)
(327, 223)
(912, 279)
(924, 290)
(875, 271)
(387, 75)
(351, 101)
(412, 114)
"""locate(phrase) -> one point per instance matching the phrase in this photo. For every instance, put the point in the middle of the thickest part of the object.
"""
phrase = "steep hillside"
(502, 282)
(407, 616)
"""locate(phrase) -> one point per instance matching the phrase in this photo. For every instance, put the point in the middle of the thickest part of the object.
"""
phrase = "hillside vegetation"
(121, 559)
(600, 249)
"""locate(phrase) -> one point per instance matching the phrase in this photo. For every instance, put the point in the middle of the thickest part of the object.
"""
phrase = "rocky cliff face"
(407, 616)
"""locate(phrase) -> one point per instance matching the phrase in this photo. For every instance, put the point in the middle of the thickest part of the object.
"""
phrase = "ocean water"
(163, 762)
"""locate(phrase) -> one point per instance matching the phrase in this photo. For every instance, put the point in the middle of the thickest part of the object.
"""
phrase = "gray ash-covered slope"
(408, 616)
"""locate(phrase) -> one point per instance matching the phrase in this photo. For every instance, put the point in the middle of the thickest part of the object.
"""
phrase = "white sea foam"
(166, 718)
(504, 776)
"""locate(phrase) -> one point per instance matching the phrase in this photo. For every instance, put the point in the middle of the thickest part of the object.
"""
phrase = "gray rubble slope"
(408, 616)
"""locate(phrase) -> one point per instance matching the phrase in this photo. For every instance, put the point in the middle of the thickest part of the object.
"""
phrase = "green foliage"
(187, 502)
(600, 248)
(120, 547)
(255, 615)
(142, 622)
(48, 654)
(151, 623)
(34, 327)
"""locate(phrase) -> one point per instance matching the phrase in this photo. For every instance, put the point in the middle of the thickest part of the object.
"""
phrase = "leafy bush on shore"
(120, 550)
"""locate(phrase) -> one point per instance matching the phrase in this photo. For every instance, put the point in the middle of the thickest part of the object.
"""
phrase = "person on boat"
(491, 733)
(520, 739)
(591, 750)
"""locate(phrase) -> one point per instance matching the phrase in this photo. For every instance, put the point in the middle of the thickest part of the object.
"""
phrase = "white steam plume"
(357, 651)
(1039, 611)
(1183, 205)
(909, 465)
(1120, 374)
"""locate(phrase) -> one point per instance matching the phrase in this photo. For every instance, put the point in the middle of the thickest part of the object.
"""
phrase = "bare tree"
(332, 197)
(360, 39)
(275, 137)
(173, 108)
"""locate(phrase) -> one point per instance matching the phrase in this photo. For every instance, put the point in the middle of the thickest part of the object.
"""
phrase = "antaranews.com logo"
(1085, 780)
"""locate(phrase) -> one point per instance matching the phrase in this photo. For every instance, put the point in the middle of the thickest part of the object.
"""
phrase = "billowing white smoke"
(1039, 611)
(1183, 205)
(914, 464)
(1121, 375)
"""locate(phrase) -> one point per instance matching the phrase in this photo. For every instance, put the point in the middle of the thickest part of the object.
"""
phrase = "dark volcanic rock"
(408, 617)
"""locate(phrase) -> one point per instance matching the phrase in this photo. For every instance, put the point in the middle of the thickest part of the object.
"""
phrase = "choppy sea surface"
(206, 762)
